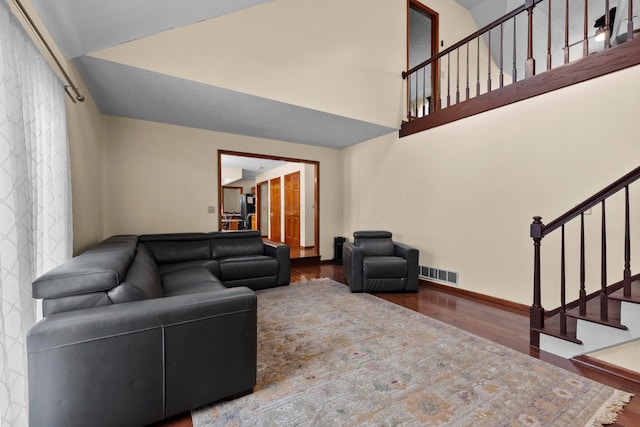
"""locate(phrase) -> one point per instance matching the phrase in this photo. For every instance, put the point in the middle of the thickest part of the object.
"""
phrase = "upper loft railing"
(504, 55)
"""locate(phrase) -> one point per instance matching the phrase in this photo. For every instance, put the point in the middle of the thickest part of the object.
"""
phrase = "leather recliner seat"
(375, 263)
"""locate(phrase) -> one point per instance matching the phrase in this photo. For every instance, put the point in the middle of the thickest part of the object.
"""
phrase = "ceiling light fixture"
(603, 24)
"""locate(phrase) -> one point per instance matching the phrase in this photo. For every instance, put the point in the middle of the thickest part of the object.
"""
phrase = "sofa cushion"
(210, 264)
(244, 267)
(385, 284)
(254, 283)
(189, 281)
(141, 282)
(384, 266)
(226, 244)
(178, 247)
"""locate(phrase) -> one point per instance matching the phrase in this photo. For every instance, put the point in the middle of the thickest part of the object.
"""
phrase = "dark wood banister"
(494, 24)
(592, 201)
(539, 230)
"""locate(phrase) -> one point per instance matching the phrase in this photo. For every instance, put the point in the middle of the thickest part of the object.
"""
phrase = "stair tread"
(593, 313)
(552, 328)
(635, 293)
(552, 323)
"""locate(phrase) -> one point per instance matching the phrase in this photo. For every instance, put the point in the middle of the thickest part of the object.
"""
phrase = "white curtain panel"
(35, 200)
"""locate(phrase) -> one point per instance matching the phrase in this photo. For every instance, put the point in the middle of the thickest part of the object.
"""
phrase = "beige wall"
(86, 130)
(321, 54)
(161, 178)
(465, 193)
(340, 51)
(167, 187)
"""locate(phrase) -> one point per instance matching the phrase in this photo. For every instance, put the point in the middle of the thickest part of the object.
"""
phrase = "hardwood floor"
(503, 326)
(302, 252)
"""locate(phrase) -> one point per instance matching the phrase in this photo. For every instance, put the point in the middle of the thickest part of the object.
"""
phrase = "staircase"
(605, 318)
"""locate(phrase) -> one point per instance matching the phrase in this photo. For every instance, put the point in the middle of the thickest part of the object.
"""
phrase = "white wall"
(465, 193)
(161, 178)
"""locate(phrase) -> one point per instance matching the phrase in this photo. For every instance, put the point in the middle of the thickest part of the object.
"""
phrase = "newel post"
(536, 313)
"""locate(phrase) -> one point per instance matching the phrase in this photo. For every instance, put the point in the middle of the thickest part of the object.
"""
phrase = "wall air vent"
(438, 275)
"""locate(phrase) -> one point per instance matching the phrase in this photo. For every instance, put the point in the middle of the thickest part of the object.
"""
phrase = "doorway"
(422, 44)
(266, 174)
(230, 208)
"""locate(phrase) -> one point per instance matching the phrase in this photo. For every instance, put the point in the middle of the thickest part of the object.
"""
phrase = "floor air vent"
(439, 275)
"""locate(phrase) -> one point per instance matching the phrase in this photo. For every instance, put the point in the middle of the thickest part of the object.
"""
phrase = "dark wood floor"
(502, 325)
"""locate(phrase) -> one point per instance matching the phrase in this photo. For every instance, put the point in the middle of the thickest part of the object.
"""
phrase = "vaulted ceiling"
(107, 39)
(180, 61)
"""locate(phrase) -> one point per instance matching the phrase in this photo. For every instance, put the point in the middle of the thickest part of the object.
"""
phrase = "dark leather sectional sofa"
(140, 328)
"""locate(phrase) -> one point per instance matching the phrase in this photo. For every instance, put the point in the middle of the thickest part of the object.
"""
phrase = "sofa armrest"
(281, 252)
(149, 359)
(411, 254)
(352, 258)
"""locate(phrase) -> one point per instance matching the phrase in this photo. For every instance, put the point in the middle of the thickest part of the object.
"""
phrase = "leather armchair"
(375, 263)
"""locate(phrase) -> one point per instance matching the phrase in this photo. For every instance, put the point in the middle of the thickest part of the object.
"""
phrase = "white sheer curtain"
(35, 196)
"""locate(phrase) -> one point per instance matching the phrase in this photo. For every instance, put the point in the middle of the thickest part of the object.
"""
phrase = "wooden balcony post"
(607, 25)
(549, 36)
(566, 31)
(585, 39)
(530, 67)
(630, 22)
(536, 313)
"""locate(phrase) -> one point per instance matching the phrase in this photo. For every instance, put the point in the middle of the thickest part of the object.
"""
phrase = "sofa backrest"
(178, 247)
(236, 243)
(142, 280)
(126, 268)
(374, 243)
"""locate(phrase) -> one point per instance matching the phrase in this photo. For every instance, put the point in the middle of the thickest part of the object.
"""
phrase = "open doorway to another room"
(422, 44)
(278, 196)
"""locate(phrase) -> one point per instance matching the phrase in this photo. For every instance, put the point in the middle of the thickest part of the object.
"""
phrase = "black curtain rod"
(76, 95)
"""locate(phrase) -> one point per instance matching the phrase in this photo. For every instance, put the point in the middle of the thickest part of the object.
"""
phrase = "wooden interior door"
(274, 209)
(292, 209)
(262, 208)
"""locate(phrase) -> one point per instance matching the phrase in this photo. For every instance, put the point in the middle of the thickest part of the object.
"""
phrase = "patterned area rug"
(327, 357)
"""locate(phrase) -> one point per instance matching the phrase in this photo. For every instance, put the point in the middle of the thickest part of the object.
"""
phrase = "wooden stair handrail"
(592, 201)
(538, 231)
